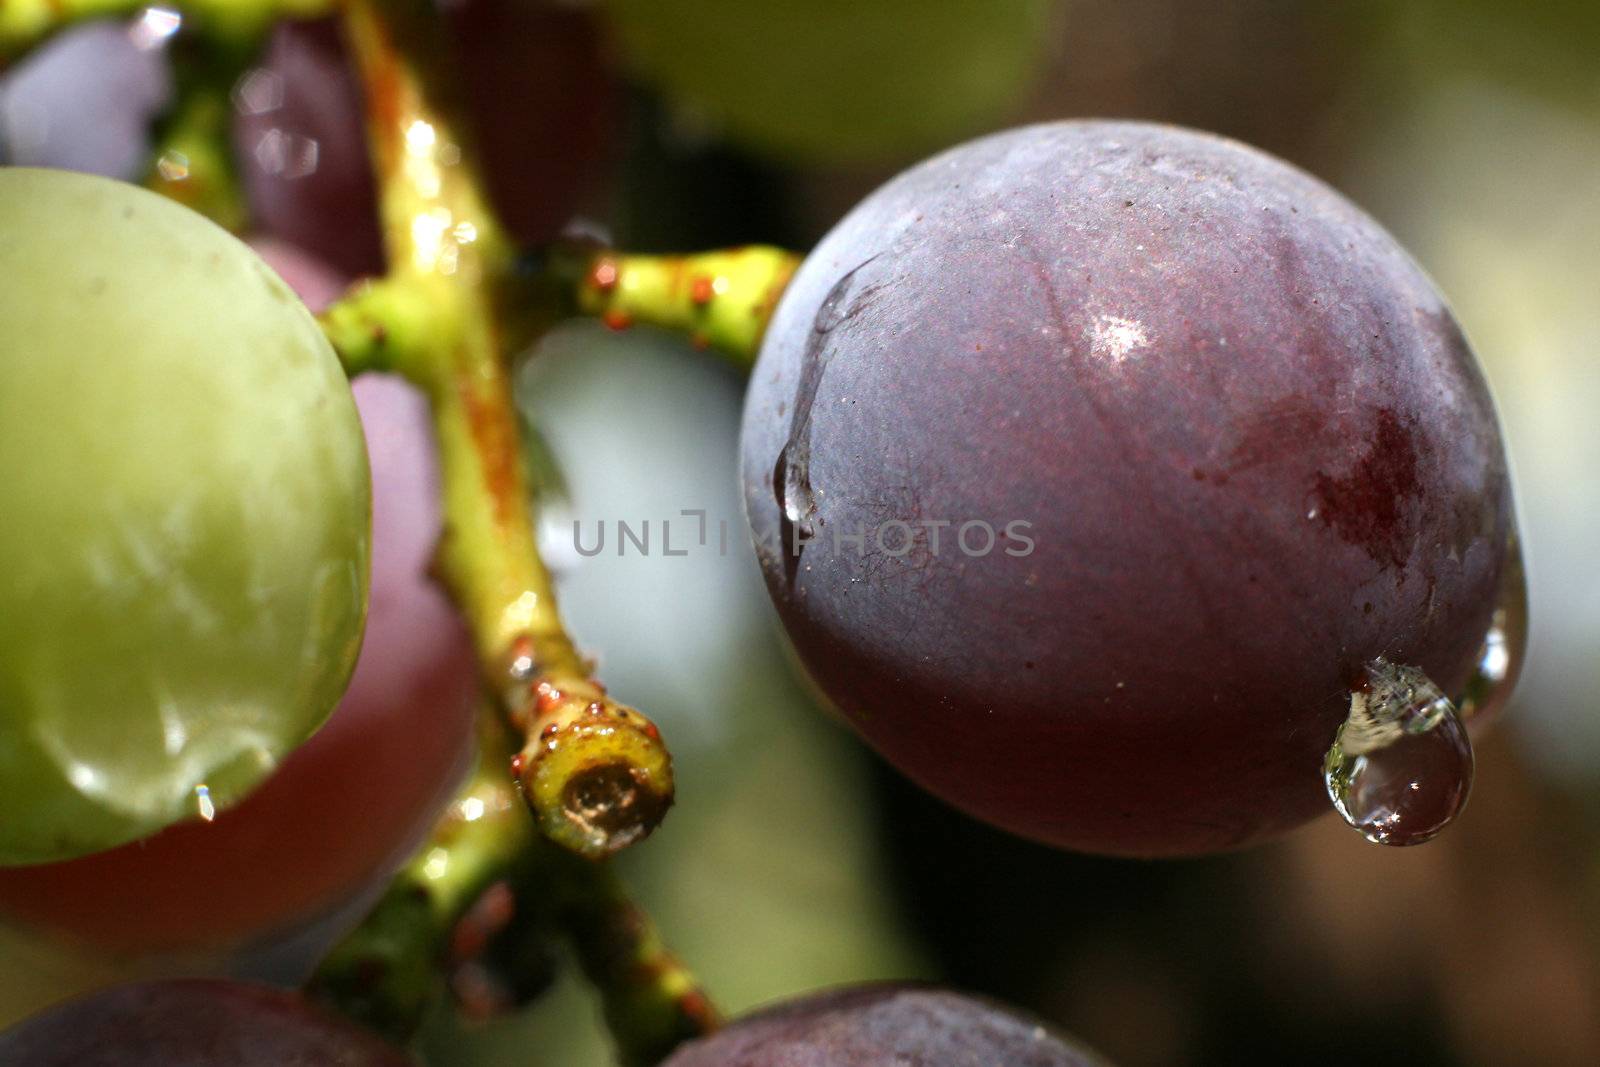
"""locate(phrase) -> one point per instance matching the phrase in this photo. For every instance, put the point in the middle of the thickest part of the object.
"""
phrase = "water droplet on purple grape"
(791, 474)
(1400, 767)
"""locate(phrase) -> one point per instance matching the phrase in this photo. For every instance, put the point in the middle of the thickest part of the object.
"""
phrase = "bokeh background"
(1471, 128)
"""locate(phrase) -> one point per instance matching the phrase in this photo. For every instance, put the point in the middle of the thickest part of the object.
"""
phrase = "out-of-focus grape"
(872, 1026)
(84, 101)
(544, 105)
(184, 562)
(839, 80)
(302, 146)
(192, 1024)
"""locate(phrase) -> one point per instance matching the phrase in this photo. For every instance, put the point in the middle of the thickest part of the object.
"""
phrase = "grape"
(1206, 441)
(183, 565)
(83, 100)
(192, 1023)
(543, 107)
(539, 99)
(866, 1026)
(838, 81)
(302, 146)
(346, 805)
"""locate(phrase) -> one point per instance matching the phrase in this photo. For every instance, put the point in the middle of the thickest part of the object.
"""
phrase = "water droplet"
(154, 27)
(173, 166)
(523, 667)
(794, 492)
(436, 864)
(202, 802)
(1500, 657)
(1401, 765)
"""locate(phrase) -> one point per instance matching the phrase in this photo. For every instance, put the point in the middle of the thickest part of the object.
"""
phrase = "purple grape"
(1217, 444)
(84, 101)
(192, 1023)
(869, 1026)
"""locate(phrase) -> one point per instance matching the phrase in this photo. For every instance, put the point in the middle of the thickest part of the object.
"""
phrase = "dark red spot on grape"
(1367, 506)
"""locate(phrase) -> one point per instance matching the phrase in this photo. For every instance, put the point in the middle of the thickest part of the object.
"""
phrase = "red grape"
(1220, 443)
(543, 103)
(871, 1025)
(542, 110)
(193, 1023)
(349, 803)
(302, 148)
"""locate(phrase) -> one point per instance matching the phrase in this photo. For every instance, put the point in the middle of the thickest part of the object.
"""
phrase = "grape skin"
(306, 99)
(344, 807)
(866, 1026)
(1253, 444)
(183, 569)
(192, 1023)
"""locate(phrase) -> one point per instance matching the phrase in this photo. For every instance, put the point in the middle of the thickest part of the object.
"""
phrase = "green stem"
(722, 299)
(651, 1001)
(595, 772)
(386, 971)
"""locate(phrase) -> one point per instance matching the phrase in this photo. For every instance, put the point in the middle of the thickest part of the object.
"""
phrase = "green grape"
(839, 80)
(184, 517)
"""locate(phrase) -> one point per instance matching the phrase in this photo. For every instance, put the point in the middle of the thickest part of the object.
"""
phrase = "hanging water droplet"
(173, 166)
(1500, 659)
(1401, 765)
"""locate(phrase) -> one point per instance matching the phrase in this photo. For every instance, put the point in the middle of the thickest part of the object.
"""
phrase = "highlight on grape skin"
(1229, 446)
(183, 569)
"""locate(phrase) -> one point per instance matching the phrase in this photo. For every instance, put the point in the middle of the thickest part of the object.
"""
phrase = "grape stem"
(721, 300)
(482, 882)
(595, 773)
(386, 971)
(24, 24)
